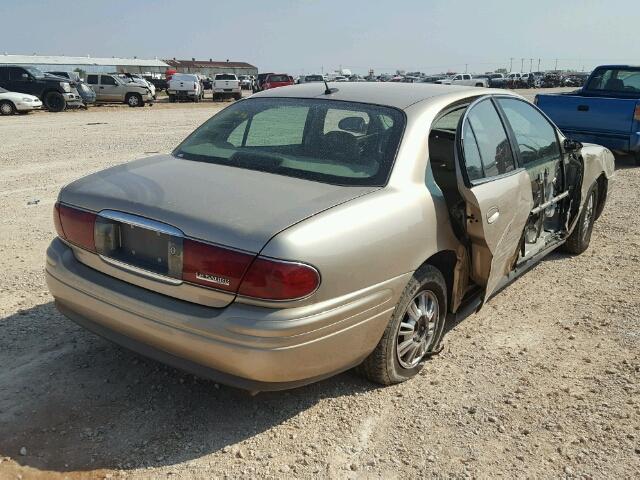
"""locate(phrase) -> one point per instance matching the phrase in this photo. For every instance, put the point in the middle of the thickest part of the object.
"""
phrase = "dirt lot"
(543, 382)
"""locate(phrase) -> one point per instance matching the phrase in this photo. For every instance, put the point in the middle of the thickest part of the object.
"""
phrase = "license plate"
(139, 242)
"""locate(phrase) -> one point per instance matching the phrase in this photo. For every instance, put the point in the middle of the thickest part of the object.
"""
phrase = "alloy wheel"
(417, 329)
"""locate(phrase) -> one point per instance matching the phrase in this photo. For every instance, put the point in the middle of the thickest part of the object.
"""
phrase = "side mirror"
(571, 145)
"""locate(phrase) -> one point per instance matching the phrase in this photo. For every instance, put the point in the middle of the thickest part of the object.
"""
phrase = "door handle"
(493, 214)
(583, 108)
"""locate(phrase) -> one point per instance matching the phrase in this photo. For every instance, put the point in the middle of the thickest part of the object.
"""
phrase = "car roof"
(398, 95)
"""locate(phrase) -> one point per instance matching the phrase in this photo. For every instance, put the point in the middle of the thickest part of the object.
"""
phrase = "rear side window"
(92, 79)
(278, 78)
(315, 139)
(484, 128)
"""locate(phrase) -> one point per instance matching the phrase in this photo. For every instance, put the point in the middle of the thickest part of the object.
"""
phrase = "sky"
(319, 36)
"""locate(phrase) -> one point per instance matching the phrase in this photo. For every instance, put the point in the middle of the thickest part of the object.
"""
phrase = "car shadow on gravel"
(76, 402)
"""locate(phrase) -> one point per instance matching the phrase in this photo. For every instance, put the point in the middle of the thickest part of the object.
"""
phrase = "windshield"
(323, 140)
(2, 90)
(34, 72)
(314, 78)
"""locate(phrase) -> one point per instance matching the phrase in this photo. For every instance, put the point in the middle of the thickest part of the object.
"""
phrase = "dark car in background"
(55, 92)
(258, 86)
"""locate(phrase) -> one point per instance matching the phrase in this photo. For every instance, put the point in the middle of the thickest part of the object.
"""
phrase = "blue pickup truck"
(605, 111)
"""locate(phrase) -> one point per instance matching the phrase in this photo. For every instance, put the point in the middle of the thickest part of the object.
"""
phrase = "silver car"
(310, 229)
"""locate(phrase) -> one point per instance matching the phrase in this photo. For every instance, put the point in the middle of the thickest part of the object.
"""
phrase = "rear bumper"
(250, 347)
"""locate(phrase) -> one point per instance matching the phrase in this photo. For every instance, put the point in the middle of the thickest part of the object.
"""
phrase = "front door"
(497, 194)
(110, 89)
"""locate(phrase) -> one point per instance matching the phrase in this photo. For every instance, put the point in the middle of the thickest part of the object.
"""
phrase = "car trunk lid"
(232, 207)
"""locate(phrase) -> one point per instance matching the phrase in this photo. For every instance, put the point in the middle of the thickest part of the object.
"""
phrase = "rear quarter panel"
(368, 241)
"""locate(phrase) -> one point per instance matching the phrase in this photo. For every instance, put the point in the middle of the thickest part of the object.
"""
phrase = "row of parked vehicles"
(28, 88)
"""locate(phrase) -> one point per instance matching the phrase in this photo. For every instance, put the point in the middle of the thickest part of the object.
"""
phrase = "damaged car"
(307, 230)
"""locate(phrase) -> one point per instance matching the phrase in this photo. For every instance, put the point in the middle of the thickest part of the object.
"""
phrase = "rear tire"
(580, 238)
(55, 102)
(411, 331)
(7, 108)
(237, 96)
(172, 98)
(637, 158)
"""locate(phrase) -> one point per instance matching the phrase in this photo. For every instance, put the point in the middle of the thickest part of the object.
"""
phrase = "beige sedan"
(310, 229)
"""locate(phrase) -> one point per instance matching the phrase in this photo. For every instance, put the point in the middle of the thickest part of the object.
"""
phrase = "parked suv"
(55, 92)
(112, 89)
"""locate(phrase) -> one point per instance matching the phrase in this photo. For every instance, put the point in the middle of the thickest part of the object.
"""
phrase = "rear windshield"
(322, 140)
(278, 78)
(616, 80)
(225, 76)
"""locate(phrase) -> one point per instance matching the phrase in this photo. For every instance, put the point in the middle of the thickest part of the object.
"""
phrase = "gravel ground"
(543, 382)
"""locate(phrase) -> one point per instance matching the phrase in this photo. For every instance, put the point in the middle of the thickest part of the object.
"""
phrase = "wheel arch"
(445, 261)
(603, 186)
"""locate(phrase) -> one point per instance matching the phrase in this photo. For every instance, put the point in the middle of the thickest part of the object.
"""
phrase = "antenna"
(327, 90)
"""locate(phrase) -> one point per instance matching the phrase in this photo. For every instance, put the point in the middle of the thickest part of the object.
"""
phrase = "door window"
(536, 137)
(92, 79)
(487, 151)
(106, 80)
(15, 73)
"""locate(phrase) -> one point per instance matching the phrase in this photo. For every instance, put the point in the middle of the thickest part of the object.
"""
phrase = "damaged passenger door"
(497, 193)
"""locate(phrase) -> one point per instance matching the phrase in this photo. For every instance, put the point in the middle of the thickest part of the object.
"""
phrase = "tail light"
(232, 271)
(75, 226)
(271, 279)
(209, 265)
(213, 266)
(636, 113)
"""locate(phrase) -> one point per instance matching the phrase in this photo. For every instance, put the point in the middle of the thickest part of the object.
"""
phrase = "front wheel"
(414, 331)
(580, 238)
(7, 108)
(134, 100)
(55, 102)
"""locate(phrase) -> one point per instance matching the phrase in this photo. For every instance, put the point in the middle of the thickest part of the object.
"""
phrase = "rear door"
(497, 192)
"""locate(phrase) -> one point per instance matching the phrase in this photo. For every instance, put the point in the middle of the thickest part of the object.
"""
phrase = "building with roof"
(211, 67)
(87, 64)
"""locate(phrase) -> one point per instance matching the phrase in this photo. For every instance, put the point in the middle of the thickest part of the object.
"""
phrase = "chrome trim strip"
(140, 271)
(141, 222)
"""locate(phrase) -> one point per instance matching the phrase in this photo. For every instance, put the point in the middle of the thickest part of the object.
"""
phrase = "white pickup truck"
(185, 86)
(464, 79)
(226, 85)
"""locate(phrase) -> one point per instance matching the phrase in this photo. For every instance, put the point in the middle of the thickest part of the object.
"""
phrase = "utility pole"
(538, 64)
(465, 67)
(530, 65)
(556, 64)
(510, 64)
(522, 65)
